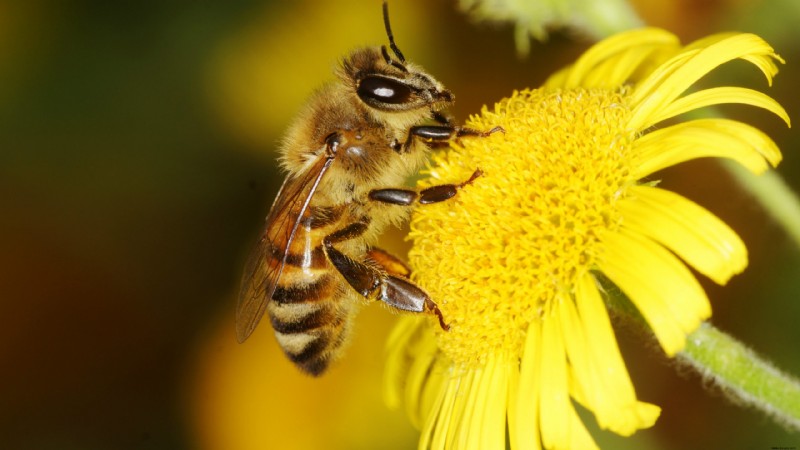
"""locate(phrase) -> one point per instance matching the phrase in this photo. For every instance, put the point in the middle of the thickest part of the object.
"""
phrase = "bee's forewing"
(265, 264)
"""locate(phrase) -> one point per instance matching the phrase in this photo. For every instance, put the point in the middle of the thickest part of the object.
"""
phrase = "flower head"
(514, 260)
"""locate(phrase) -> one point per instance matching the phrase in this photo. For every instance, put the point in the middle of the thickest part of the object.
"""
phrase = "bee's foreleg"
(437, 135)
(433, 194)
(372, 282)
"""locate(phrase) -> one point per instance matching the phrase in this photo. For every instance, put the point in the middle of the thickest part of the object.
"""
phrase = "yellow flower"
(514, 260)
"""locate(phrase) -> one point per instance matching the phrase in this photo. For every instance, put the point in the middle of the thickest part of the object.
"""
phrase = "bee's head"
(389, 84)
(391, 89)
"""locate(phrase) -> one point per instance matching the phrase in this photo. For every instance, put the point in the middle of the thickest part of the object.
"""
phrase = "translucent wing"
(265, 264)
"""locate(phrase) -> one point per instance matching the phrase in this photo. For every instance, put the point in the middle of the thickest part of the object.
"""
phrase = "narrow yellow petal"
(697, 236)
(600, 335)
(437, 382)
(721, 138)
(622, 413)
(396, 368)
(512, 414)
(464, 408)
(610, 384)
(491, 424)
(555, 402)
(451, 413)
(655, 93)
(526, 426)
(470, 427)
(765, 64)
(661, 287)
(418, 376)
(483, 423)
(569, 432)
(431, 436)
(586, 383)
(627, 66)
(718, 96)
(579, 436)
(611, 48)
(648, 91)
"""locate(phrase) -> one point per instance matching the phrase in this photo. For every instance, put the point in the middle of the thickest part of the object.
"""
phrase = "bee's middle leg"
(373, 281)
(433, 194)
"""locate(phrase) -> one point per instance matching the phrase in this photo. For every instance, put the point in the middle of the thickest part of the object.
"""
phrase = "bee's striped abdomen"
(311, 322)
(310, 310)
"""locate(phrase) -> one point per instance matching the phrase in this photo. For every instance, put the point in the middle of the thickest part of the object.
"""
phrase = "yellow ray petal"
(722, 138)
(560, 424)
(697, 236)
(766, 65)
(396, 368)
(511, 415)
(446, 418)
(600, 335)
(579, 436)
(469, 428)
(587, 384)
(430, 434)
(555, 402)
(491, 418)
(615, 405)
(647, 90)
(464, 408)
(658, 91)
(718, 96)
(611, 48)
(526, 412)
(630, 65)
(436, 384)
(657, 282)
(417, 376)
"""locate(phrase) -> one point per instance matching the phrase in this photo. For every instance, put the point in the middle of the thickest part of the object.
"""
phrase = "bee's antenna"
(389, 33)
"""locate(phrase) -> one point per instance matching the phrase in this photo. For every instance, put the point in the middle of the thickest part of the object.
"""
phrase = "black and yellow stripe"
(310, 310)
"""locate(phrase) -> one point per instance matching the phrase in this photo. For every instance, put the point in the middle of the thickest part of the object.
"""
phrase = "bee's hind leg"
(390, 263)
(399, 291)
(384, 279)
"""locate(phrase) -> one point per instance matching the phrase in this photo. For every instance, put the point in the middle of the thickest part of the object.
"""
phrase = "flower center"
(515, 240)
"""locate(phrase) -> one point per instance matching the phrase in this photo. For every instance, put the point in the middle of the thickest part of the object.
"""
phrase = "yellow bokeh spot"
(530, 226)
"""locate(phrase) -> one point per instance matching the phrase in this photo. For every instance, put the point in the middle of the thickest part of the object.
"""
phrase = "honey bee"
(355, 140)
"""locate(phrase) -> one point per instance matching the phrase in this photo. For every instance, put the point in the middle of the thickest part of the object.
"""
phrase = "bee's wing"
(266, 262)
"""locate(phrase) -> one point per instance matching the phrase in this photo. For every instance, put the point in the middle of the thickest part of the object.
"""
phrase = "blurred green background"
(137, 146)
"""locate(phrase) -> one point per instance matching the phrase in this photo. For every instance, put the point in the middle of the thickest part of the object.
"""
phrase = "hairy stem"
(743, 375)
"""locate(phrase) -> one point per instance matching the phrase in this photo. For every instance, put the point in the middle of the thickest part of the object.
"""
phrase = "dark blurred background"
(137, 146)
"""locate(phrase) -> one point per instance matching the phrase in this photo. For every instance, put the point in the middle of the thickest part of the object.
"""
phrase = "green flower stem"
(743, 375)
(773, 194)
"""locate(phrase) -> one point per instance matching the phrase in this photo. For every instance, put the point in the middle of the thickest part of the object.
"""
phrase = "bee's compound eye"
(376, 90)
